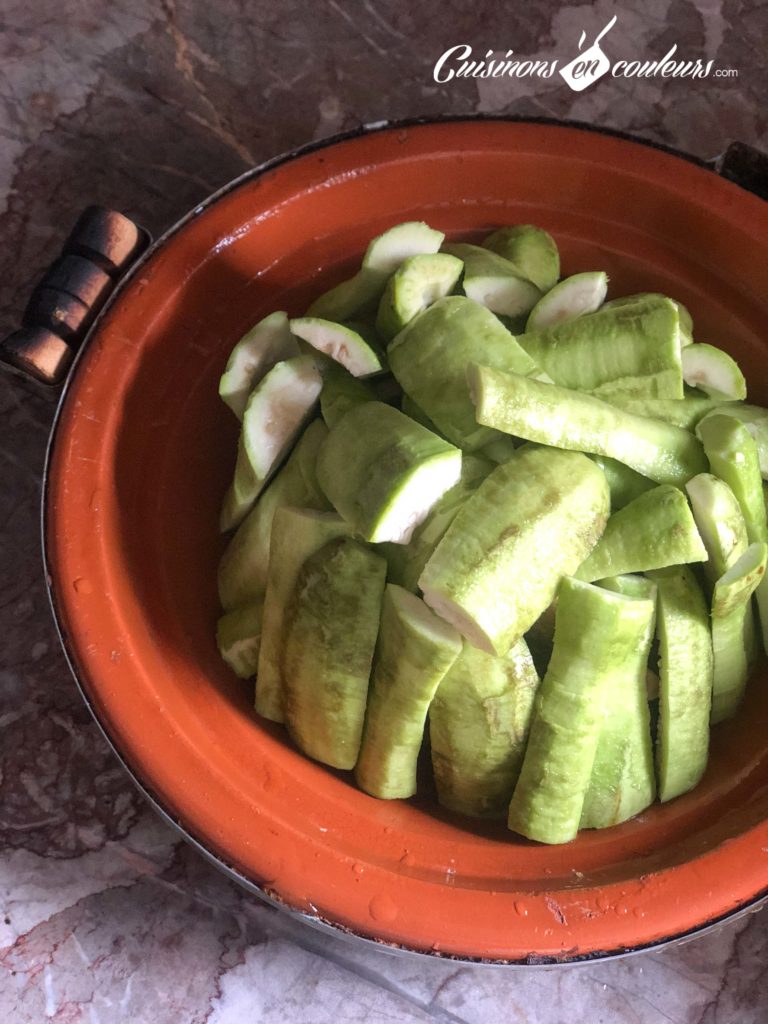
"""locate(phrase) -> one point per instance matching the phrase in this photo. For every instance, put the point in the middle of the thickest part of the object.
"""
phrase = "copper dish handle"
(100, 250)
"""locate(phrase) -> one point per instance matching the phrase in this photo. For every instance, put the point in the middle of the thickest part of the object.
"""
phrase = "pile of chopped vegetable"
(472, 494)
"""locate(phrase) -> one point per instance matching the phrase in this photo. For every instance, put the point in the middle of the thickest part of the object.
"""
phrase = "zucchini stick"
(685, 681)
(731, 617)
(596, 633)
(622, 783)
(331, 622)
(414, 651)
(733, 456)
(478, 728)
(296, 535)
(568, 419)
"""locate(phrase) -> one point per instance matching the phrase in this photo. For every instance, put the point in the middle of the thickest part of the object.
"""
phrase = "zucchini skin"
(532, 520)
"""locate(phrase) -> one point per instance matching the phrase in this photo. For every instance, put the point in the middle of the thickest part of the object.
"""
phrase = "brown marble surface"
(148, 107)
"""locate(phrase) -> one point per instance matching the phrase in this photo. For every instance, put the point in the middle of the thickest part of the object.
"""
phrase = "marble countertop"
(106, 915)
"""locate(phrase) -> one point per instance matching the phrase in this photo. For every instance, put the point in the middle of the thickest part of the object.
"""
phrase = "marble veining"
(148, 107)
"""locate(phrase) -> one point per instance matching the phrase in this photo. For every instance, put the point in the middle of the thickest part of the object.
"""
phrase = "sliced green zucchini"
(532, 250)
(331, 622)
(414, 651)
(686, 321)
(388, 250)
(731, 632)
(340, 343)
(655, 530)
(633, 348)
(720, 522)
(431, 356)
(733, 456)
(493, 281)
(276, 411)
(597, 632)
(622, 782)
(296, 535)
(428, 534)
(269, 342)
(361, 293)
(754, 419)
(478, 728)
(573, 297)
(714, 372)
(243, 567)
(532, 521)
(416, 284)
(568, 419)
(685, 681)
(383, 472)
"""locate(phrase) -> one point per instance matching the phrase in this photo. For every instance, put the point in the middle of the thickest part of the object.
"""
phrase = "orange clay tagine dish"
(142, 455)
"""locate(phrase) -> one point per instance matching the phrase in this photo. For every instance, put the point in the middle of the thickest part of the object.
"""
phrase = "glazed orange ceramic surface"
(143, 453)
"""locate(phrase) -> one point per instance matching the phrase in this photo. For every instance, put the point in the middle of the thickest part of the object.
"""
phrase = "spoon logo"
(587, 67)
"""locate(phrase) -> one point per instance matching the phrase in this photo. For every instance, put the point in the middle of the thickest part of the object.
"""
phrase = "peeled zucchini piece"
(733, 456)
(532, 521)
(713, 371)
(296, 535)
(569, 419)
(573, 297)
(432, 355)
(478, 728)
(754, 419)
(655, 530)
(269, 342)
(731, 630)
(388, 250)
(383, 472)
(532, 250)
(361, 293)
(719, 521)
(417, 283)
(238, 636)
(596, 638)
(331, 622)
(414, 651)
(633, 348)
(341, 391)
(686, 321)
(243, 567)
(339, 342)
(685, 681)
(493, 281)
(622, 783)
(275, 413)
(428, 534)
